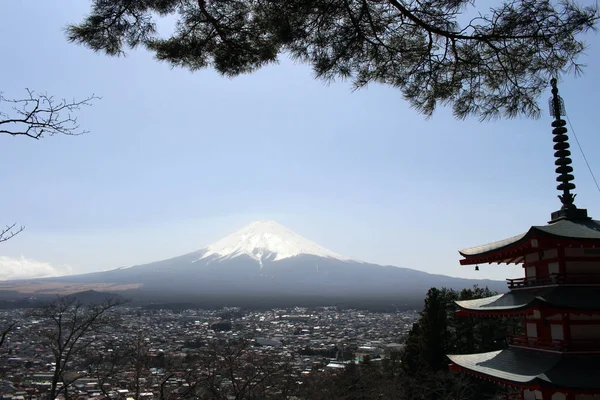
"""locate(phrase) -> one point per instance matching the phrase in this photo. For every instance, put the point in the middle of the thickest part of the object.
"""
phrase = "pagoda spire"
(563, 161)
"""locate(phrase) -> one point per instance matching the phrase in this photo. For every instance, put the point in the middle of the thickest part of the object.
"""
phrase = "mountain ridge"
(265, 259)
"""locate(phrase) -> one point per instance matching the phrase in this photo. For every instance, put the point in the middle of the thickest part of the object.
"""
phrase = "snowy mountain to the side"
(264, 261)
(265, 240)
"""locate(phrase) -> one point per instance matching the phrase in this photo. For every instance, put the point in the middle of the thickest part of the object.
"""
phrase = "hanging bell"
(477, 268)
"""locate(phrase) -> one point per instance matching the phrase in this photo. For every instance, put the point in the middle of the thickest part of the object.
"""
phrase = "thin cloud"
(24, 268)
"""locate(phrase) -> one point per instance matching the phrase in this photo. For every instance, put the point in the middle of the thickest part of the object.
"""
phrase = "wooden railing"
(574, 345)
(537, 343)
(554, 279)
(582, 345)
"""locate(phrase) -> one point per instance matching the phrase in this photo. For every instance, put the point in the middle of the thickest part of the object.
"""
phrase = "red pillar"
(561, 260)
(547, 394)
(566, 330)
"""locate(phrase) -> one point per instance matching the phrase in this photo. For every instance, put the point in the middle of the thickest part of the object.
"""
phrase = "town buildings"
(165, 340)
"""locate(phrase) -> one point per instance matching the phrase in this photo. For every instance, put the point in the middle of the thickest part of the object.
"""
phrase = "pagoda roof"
(534, 368)
(581, 230)
(562, 297)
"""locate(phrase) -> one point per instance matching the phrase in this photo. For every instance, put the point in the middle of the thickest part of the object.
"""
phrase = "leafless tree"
(109, 361)
(37, 115)
(232, 370)
(68, 327)
(34, 116)
(444, 386)
(138, 361)
(5, 330)
(10, 231)
(126, 357)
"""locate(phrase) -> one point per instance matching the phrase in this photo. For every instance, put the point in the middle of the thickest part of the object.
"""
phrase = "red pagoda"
(558, 301)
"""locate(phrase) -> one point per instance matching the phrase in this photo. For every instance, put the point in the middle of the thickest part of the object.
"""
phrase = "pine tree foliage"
(485, 62)
(440, 332)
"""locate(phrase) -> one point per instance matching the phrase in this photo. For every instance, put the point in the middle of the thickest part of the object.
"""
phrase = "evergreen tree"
(431, 337)
(488, 63)
(439, 332)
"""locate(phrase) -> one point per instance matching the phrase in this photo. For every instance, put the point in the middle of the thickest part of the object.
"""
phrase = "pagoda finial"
(563, 161)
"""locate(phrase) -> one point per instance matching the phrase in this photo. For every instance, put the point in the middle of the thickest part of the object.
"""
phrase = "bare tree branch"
(5, 331)
(40, 114)
(71, 327)
(9, 232)
(35, 116)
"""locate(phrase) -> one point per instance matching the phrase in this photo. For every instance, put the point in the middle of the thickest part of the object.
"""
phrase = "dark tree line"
(439, 332)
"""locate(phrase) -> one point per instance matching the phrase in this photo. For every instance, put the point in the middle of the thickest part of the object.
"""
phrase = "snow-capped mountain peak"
(266, 240)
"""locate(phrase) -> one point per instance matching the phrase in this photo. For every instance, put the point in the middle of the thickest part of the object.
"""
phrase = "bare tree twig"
(71, 327)
(9, 232)
(41, 114)
(35, 116)
(5, 331)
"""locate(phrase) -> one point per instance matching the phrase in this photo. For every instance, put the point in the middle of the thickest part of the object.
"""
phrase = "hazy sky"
(176, 160)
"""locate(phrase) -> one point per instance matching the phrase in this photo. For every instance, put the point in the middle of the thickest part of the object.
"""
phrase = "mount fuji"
(266, 240)
(262, 262)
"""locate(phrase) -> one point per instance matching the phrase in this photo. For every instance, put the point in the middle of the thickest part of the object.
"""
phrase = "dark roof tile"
(568, 297)
(529, 367)
(587, 230)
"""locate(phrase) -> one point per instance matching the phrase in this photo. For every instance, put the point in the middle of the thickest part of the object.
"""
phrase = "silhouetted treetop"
(485, 62)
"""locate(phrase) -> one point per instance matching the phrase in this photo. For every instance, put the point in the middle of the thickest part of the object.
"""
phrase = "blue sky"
(176, 160)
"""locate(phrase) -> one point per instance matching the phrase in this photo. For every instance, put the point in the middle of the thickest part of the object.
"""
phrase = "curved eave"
(586, 299)
(508, 251)
(508, 365)
(506, 303)
(457, 368)
(512, 250)
(529, 368)
(494, 246)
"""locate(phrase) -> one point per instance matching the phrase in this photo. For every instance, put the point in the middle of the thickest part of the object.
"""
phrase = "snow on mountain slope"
(264, 240)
